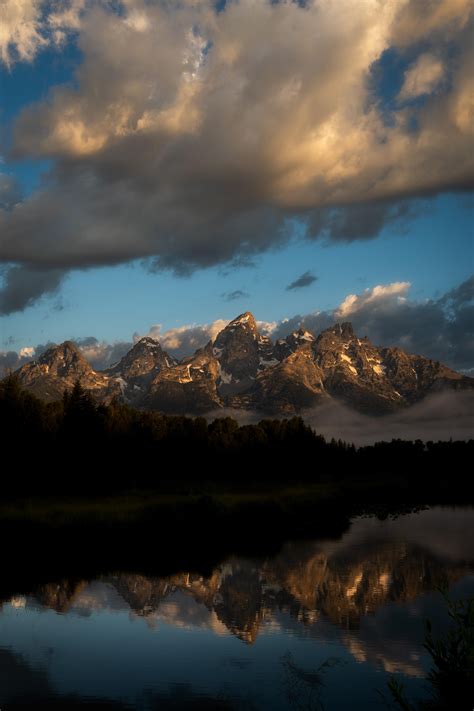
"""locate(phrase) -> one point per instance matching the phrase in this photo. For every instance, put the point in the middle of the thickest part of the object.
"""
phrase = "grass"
(133, 506)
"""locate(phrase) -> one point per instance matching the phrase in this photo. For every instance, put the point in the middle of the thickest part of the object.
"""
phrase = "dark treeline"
(75, 446)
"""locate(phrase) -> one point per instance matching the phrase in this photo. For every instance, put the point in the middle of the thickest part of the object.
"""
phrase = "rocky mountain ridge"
(243, 369)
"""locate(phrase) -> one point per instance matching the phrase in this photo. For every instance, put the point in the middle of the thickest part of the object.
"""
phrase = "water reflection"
(223, 638)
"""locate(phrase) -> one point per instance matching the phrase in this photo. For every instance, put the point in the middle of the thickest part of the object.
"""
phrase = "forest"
(75, 446)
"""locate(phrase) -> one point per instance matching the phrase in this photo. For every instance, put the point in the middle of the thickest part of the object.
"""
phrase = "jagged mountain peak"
(344, 331)
(293, 342)
(300, 336)
(146, 342)
(242, 368)
(58, 368)
(240, 330)
(66, 355)
(240, 348)
(247, 320)
(303, 333)
(143, 361)
(64, 347)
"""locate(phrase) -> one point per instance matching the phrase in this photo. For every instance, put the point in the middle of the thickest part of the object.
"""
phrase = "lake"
(322, 624)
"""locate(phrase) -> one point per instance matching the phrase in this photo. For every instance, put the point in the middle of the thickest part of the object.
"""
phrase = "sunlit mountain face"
(359, 601)
(243, 369)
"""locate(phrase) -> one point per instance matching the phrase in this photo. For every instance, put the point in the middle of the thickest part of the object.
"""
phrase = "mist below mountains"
(440, 417)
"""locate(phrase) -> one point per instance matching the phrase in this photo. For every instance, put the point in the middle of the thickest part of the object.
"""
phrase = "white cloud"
(26, 352)
(20, 30)
(27, 26)
(267, 327)
(380, 294)
(137, 21)
(184, 340)
(422, 77)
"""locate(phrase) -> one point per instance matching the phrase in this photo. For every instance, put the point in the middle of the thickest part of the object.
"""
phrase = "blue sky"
(112, 303)
(105, 287)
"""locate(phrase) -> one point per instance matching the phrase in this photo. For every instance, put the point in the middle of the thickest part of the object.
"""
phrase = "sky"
(165, 166)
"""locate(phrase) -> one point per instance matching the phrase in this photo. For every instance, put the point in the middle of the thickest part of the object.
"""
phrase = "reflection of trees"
(304, 687)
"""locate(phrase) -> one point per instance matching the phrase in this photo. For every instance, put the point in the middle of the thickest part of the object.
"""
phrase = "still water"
(321, 625)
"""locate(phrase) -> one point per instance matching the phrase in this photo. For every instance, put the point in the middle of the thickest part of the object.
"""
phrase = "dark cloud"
(10, 193)
(23, 285)
(235, 295)
(203, 150)
(10, 361)
(305, 279)
(363, 221)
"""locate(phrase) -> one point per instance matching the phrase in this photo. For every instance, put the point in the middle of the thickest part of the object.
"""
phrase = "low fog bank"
(443, 416)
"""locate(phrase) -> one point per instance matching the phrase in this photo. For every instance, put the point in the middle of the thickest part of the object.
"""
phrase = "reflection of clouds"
(363, 653)
(185, 613)
(96, 596)
(436, 530)
(272, 625)
(18, 602)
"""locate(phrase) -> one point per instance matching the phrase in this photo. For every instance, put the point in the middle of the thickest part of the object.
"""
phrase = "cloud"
(363, 221)
(100, 354)
(23, 285)
(417, 19)
(28, 26)
(183, 141)
(376, 296)
(26, 352)
(9, 192)
(184, 340)
(305, 279)
(11, 360)
(422, 77)
(235, 295)
(20, 30)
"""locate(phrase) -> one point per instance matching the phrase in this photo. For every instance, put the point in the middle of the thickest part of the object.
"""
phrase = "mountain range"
(243, 369)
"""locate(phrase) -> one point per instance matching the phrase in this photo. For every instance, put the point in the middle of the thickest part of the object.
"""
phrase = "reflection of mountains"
(306, 580)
